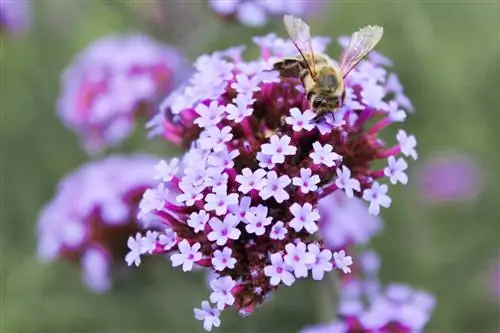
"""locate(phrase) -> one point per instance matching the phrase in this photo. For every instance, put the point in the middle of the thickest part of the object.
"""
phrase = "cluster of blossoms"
(256, 13)
(449, 177)
(243, 200)
(92, 215)
(115, 80)
(366, 307)
(15, 15)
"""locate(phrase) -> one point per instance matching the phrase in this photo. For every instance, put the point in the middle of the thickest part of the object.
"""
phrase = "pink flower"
(112, 82)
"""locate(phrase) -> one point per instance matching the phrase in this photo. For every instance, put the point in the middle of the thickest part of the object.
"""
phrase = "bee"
(322, 78)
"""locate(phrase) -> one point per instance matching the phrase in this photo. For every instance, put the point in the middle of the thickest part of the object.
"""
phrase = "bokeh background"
(446, 54)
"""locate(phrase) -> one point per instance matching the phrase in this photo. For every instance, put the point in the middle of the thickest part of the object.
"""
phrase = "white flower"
(278, 271)
(298, 258)
(307, 182)
(265, 161)
(209, 116)
(198, 220)
(187, 256)
(221, 294)
(342, 261)
(304, 217)
(215, 138)
(241, 107)
(278, 148)
(278, 231)
(224, 230)
(240, 210)
(135, 246)
(396, 170)
(257, 220)
(324, 154)
(299, 120)
(244, 84)
(275, 187)
(148, 242)
(220, 200)
(250, 180)
(407, 144)
(166, 171)
(223, 259)
(153, 199)
(377, 197)
(322, 261)
(168, 239)
(209, 315)
(345, 182)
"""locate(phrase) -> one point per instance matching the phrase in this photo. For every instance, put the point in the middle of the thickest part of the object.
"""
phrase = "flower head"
(366, 307)
(254, 13)
(262, 182)
(113, 81)
(92, 214)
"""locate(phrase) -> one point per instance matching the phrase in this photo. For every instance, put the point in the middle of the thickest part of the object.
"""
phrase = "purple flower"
(209, 316)
(15, 15)
(113, 81)
(264, 183)
(93, 213)
(449, 177)
(255, 13)
(396, 309)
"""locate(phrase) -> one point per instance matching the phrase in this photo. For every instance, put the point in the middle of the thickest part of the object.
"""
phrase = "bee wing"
(362, 42)
(300, 34)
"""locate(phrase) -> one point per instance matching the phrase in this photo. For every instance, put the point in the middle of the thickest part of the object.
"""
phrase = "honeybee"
(322, 78)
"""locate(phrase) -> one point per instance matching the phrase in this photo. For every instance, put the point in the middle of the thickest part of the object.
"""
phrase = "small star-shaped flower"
(377, 197)
(396, 170)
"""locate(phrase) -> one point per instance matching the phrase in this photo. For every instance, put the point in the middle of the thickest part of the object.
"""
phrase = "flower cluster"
(15, 15)
(256, 13)
(395, 309)
(112, 82)
(243, 200)
(92, 215)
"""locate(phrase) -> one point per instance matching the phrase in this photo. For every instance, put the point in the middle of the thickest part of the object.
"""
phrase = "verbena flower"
(15, 15)
(256, 13)
(346, 221)
(449, 177)
(112, 82)
(366, 307)
(243, 201)
(92, 214)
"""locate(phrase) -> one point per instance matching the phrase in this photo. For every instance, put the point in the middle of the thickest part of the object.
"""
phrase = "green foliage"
(446, 55)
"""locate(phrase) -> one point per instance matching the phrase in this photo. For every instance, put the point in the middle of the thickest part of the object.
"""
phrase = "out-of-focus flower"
(15, 15)
(449, 177)
(246, 193)
(364, 307)
(256, 13)
(112, 82)
(92, 215)
(345, 221)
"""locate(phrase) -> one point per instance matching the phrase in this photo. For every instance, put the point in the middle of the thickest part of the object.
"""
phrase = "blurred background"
(441, 233)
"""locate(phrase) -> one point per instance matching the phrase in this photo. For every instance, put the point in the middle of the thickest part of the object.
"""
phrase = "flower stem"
(327, 298)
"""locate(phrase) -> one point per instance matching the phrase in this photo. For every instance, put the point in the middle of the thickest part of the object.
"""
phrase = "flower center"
(279, 270)
(224, 232)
